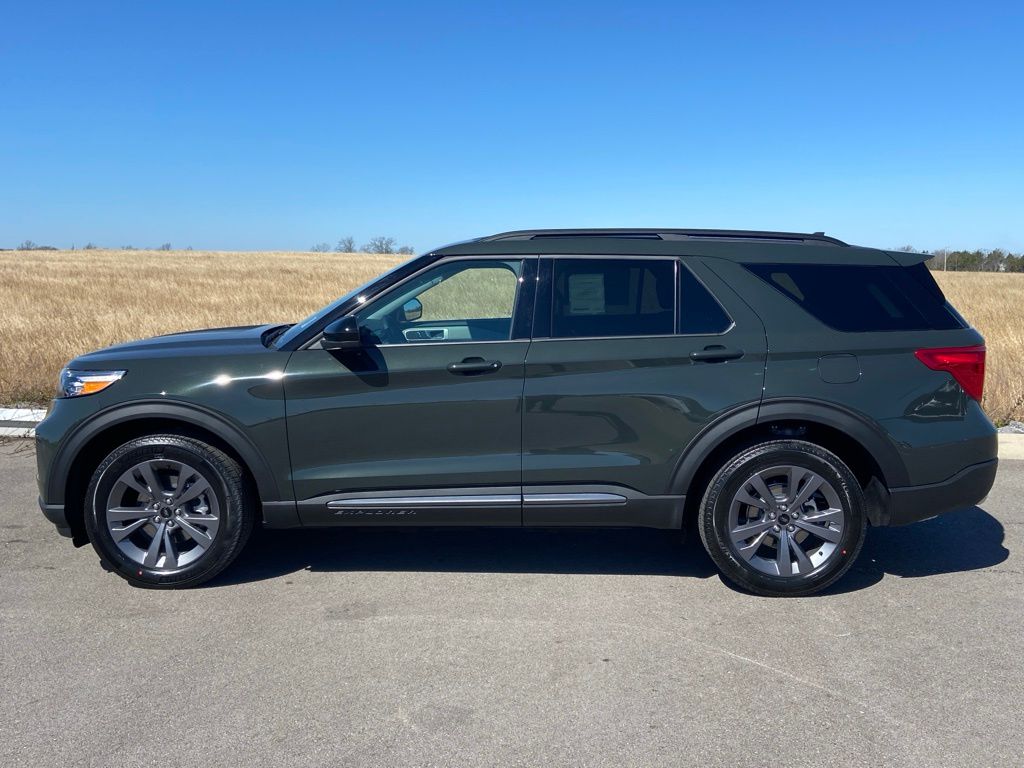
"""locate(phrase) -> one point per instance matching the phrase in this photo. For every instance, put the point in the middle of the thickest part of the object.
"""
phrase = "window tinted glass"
(863, 298)
(474, 293)
(612, 297)
(454, 301)
(698, 310)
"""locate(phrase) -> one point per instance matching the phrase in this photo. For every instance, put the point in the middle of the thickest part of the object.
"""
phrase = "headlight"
(78, 383)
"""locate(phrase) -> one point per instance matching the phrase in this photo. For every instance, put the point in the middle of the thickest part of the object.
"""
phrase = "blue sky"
(251, 125)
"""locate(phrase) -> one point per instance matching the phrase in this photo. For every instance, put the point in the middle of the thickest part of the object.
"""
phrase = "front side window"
(612, 297)
(465, 300)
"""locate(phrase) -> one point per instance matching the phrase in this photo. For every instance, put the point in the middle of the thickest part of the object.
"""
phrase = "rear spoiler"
(909, 258)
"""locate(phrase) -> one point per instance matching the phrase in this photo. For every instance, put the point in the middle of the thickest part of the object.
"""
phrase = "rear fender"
(751, 416)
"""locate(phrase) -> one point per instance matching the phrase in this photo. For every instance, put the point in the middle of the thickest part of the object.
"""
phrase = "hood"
(212, 341)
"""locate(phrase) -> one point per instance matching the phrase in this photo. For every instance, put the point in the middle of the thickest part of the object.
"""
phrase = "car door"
(422, 425)
(631, 358)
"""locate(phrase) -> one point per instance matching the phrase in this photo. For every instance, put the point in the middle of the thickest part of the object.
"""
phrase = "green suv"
(779, 391)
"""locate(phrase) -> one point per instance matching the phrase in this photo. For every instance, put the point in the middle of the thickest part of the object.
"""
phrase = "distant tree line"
(995, 260)
(345, 245)
(978, 260)
(379, 244)
(28, 245)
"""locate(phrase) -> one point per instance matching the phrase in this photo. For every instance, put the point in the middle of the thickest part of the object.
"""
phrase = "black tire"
(716, 510)
(226, 482)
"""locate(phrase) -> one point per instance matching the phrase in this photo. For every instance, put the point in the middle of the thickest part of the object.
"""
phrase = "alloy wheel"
(786, 521)
(163, 514)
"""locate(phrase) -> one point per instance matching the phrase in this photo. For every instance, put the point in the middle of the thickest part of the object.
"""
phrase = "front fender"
(186, 413)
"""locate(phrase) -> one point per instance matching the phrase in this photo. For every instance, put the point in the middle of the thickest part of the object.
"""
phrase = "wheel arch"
(868, 452)
(92, 441)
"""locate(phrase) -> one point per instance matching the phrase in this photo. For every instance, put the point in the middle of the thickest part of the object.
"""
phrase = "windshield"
(320, 314)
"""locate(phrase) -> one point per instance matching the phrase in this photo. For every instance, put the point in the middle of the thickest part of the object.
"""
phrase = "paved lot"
(513, 648)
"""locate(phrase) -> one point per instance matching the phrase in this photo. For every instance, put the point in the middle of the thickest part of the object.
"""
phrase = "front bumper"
(966, 488)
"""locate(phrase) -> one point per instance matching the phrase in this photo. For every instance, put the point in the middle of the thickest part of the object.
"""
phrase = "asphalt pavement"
(513, 647)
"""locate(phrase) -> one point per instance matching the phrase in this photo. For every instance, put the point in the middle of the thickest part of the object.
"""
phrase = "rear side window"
(861, 298)
(613, 297)
(699, 312)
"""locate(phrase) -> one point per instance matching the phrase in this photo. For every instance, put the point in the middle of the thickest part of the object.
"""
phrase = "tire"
(203, 520)
(753, 534)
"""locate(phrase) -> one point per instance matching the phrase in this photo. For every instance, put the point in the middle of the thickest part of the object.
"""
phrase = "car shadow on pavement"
(483, 550)
(961, 541)
(966, 540)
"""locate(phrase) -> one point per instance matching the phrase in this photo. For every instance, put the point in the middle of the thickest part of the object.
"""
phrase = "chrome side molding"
(572, 499)
(480, 500)
(407, 502)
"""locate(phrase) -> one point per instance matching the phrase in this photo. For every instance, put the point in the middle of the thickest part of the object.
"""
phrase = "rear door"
(422, 425)
(631, 358)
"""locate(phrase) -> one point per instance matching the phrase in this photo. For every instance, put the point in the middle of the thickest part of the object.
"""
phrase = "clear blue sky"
(251, 125)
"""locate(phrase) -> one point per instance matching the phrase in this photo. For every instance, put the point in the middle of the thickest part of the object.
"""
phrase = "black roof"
(746, 246)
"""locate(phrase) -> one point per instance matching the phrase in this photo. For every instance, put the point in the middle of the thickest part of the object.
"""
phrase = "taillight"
(966, 364)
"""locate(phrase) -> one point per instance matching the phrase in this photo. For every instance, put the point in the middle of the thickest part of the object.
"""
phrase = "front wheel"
(168, 511)
(783, 518)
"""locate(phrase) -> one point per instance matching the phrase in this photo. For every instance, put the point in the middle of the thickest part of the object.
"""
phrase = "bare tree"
(28, 245)
(406, 250)
(321, 248)
(90, 246)
(346, 245)
(380, 245)
(164, 247)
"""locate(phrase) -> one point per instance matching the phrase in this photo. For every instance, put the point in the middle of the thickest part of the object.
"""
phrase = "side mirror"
(343, 333)
(412, 310)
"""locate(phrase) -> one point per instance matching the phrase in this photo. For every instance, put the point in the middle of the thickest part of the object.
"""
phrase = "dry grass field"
(994, 304)
(58, 304)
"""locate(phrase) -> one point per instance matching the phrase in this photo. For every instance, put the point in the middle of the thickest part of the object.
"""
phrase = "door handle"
(474, 365)
(715, 354)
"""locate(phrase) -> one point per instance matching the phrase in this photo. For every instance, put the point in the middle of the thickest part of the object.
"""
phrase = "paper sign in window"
(586, 294)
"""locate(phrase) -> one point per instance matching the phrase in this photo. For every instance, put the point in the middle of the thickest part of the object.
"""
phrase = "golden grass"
(58, 304)
(994, 304)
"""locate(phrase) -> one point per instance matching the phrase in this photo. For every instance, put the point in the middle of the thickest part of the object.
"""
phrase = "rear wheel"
(783, 518)
(168, 511)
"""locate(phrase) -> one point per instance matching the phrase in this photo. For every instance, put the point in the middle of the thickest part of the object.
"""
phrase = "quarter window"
(613, 297)
(857, 298)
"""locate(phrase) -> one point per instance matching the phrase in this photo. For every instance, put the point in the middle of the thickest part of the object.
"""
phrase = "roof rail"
(667, 234)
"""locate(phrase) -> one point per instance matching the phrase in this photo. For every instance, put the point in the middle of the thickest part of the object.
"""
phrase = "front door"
(423, 425)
